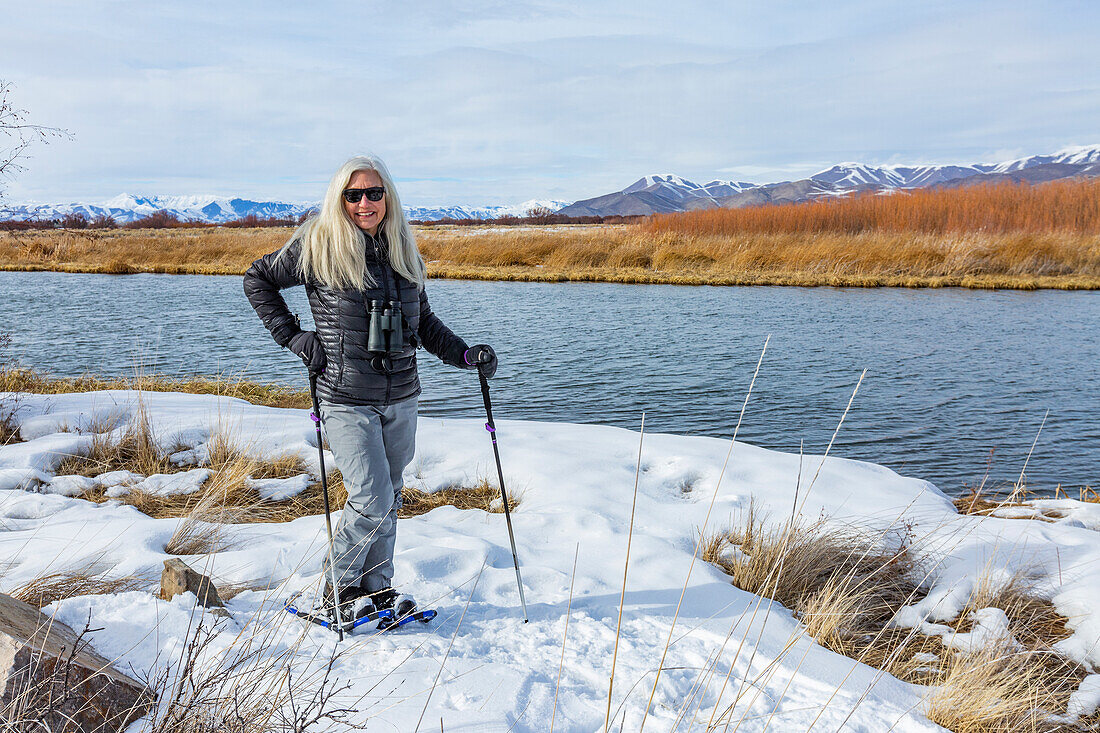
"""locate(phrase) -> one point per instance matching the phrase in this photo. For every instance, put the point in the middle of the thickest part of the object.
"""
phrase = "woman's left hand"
(483, 358)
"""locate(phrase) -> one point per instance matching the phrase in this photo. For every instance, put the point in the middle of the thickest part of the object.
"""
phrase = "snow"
(1071, 155)
(126, 208)
(990, 630)
(69, 485)
(577, 483)
(1086, 699)
(169, 484)
(279, 489)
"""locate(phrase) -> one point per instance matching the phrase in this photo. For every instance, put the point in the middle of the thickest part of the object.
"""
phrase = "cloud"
(501, 102)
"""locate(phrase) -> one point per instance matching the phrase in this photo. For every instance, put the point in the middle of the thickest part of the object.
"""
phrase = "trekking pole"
(492, 428)
(316, 417)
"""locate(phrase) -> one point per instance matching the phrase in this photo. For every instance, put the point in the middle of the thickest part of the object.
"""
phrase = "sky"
(503, 101)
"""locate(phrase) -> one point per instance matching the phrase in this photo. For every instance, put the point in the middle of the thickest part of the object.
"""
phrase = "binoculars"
(385, 335)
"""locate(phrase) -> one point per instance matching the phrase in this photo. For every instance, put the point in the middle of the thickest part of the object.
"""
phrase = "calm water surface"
(951, 374)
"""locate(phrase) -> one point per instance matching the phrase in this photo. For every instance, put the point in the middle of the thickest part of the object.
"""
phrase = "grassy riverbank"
(16, 379)
(615, 253)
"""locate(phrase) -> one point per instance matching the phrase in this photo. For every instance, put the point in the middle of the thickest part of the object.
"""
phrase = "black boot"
(350, 601)
(390, 599)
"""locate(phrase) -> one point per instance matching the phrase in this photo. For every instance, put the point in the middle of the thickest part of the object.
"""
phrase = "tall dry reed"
(1060, 206)
(1062, 258)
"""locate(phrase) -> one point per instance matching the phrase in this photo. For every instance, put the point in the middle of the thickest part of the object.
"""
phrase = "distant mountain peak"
(126, 207)
(668, 192)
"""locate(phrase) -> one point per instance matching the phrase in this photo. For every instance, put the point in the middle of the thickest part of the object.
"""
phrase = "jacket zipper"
(384, 262)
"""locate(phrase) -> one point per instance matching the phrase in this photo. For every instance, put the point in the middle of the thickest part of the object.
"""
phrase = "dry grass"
(983, 502)
(202, 251)
(54, 587)
(415, 502)
(227, 498)
(844, 586)
(224, 498)
(846, 589)
(818, 562)
(1085, 493)
(996, 690)
(271, 395)
(9, 432)
(868, 259)
(248, 687)
(1033, 621)
(1004, 689)
(987, 502)
(136, 450)
(977, 257)
(204, 531)
(482, 495)
(1060, 206)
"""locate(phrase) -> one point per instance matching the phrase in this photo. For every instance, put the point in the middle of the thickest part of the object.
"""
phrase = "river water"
(952, 374)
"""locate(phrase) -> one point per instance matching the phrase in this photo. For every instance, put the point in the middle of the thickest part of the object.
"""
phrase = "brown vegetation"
(9, 429)
(482, 495)
(986, 502)
(843, 586)
(226, 496)
(1060, 206)
(88, 581)
(186, 250)
(994, 690)
(136, 450)
(271, 395)
(661, 251)
(9, 432)
(414, 502)
(846, 588)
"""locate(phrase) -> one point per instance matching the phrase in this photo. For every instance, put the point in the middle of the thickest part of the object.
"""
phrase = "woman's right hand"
(308, 346)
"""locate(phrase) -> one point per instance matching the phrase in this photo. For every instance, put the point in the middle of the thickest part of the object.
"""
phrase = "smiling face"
(366, 214)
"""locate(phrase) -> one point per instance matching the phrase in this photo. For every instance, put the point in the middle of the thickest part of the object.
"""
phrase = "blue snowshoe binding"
(385, 609)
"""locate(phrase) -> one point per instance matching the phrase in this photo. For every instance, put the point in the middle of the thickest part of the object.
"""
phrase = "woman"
(365, 278)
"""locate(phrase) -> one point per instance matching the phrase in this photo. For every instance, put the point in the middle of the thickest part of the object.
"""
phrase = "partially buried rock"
(51, 679)
(177, 579)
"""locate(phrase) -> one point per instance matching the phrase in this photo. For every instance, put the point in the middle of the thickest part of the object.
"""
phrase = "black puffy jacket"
(352, 376)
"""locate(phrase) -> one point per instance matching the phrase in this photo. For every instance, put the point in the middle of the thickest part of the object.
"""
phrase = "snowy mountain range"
(420, 213)
(652, 194)
(669, 193)
(126, 208)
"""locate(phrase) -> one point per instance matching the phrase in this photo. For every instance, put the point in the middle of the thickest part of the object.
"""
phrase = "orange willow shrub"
(1060, 206)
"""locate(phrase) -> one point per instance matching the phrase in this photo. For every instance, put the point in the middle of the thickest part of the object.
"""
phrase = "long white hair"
(334, 248)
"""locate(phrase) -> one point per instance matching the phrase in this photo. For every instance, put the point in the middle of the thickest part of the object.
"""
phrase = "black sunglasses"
(374, 193)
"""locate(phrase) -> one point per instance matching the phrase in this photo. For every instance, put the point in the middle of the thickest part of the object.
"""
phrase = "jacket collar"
(376, 247)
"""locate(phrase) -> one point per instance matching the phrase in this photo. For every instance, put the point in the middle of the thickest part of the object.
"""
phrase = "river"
(952, 374)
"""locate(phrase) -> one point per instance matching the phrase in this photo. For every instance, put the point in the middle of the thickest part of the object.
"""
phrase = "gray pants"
(372, 446)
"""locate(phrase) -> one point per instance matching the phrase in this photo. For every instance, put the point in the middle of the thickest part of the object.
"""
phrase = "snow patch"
(280, 489)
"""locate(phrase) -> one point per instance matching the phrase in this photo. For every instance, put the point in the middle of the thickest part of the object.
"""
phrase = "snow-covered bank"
(577, 483)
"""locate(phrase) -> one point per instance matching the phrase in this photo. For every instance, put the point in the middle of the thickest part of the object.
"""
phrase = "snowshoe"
(402, 609)
(355, 610)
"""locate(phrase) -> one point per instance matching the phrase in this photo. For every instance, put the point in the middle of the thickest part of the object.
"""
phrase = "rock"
(50, 677)
(177, 578)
